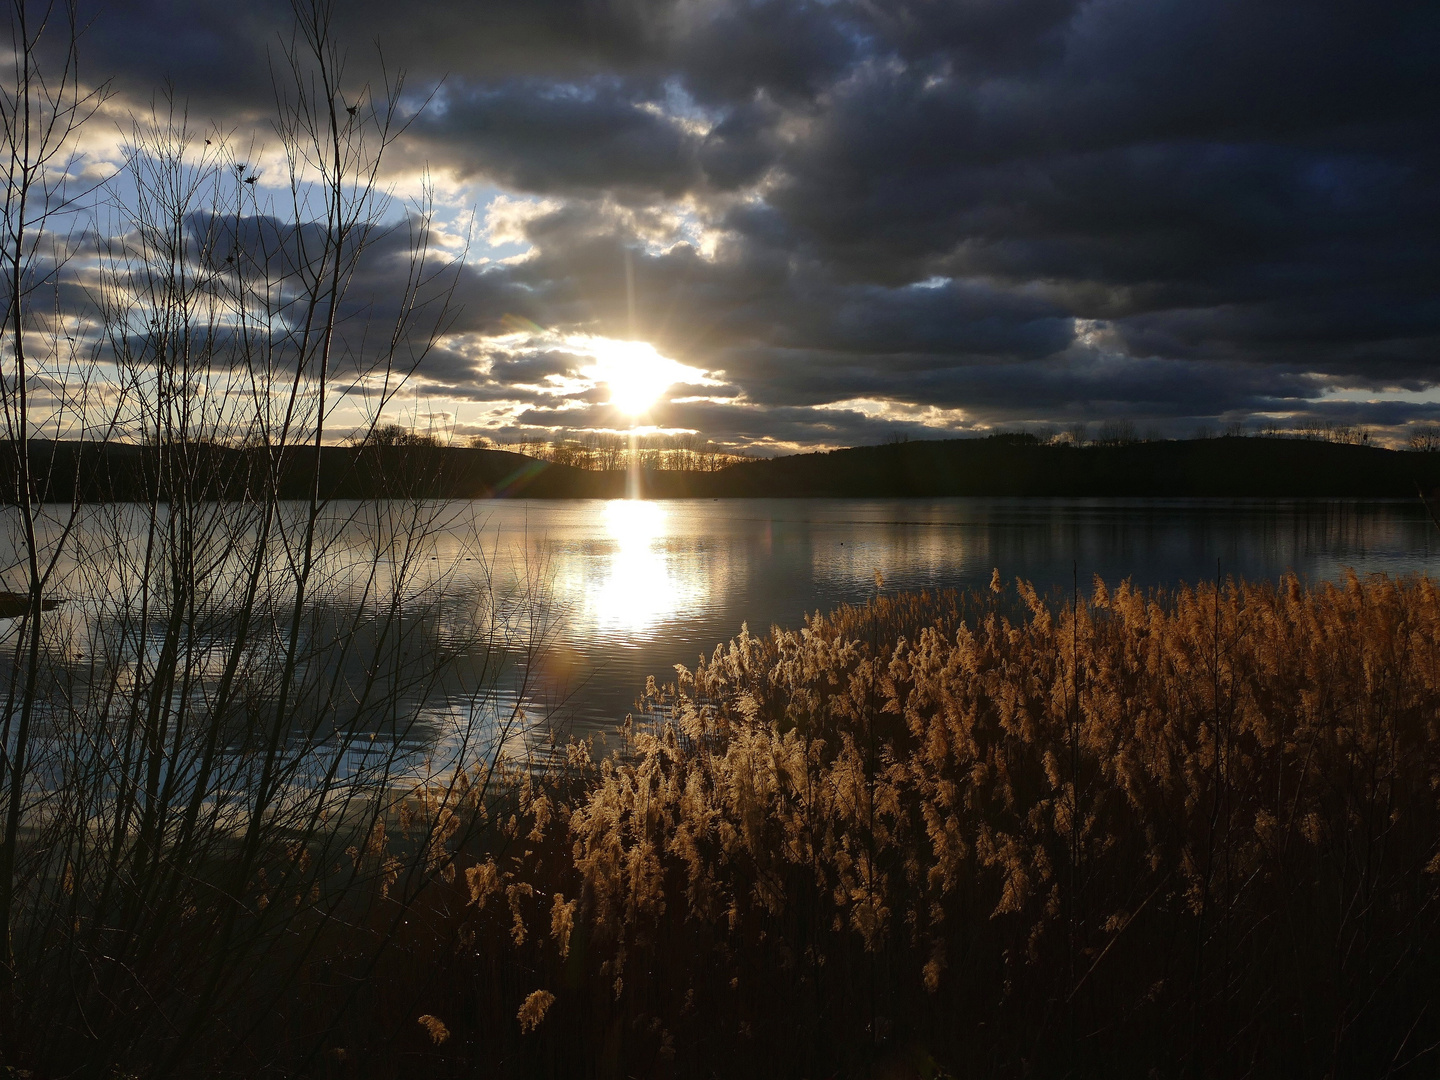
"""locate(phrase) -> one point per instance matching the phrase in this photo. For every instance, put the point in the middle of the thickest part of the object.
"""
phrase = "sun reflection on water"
(641, 588)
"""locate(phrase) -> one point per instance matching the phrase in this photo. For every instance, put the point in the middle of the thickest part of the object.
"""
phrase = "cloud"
(972, 213)
(601, 135)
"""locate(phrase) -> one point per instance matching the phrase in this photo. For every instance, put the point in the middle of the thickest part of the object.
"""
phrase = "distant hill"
(1002, 465)
(1018, 466)
(128, 472)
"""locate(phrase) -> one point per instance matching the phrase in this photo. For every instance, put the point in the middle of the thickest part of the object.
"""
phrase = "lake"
(643, 585)
(631, 588)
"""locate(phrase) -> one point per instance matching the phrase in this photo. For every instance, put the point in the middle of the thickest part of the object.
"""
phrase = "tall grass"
(1182, 833)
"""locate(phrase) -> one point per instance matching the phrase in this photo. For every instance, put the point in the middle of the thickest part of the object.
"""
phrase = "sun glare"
(636, 374)
(641, 590)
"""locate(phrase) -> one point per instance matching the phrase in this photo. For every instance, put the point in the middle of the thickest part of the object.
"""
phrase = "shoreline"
(1002, 466)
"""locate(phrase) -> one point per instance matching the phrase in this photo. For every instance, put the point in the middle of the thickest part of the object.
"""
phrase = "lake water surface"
(643, 585)
(631, 588)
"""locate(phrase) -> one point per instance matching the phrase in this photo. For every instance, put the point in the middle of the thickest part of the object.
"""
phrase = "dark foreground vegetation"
(999, 465)
(1183, 834)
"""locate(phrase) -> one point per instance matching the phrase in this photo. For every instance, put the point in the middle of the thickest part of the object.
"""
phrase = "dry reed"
(1178, 833)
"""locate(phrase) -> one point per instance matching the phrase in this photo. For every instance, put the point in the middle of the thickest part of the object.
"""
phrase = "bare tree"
(1425, 439)
(1117, 433)
(42, 106)
(245, 731)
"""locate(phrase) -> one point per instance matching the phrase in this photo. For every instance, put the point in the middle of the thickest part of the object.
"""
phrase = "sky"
(816, 224)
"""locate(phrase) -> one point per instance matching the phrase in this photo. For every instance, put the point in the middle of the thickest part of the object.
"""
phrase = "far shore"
(998, 466)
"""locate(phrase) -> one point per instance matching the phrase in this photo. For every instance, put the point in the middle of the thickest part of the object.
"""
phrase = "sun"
(636, 374)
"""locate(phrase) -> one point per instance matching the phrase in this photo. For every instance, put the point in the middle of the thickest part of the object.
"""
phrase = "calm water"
(632, 588)
(644, 585)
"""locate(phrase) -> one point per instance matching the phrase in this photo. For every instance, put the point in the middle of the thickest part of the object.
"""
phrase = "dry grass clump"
(1192, 831)
(1180, 833)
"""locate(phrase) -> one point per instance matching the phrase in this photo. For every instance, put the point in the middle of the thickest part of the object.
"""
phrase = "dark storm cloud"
(791, 52)
(1081, 385)
(538, 136)
(749, 293)
(217, 53)
(742, 427)
(535, 368)
(500, 376)
(1159, 209)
